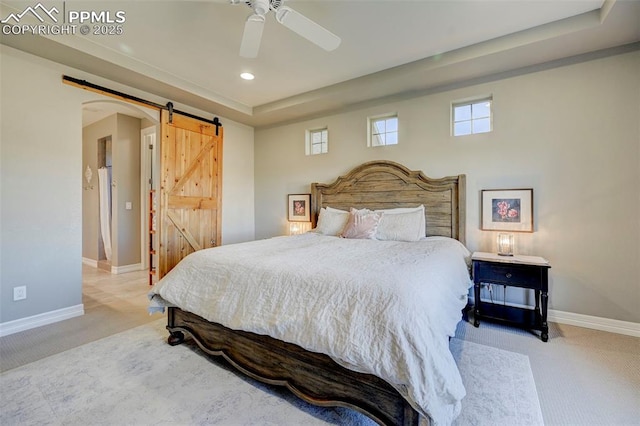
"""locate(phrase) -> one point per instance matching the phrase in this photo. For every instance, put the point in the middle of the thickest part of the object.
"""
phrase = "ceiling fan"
(288, 17)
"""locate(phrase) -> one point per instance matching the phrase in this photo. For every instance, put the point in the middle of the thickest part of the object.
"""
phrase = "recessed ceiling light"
(247, 76)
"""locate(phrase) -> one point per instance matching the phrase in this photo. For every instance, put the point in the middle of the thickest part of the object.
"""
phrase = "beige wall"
(41, 169)
(126, 177)
(570, 133)
(238, 220)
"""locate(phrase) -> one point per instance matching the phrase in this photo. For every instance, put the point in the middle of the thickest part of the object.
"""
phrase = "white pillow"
(331, 221)
(402, 224)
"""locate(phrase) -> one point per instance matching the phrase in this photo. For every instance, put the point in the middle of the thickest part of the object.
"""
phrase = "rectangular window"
(383, 130)
(472, 117)
(317, 141)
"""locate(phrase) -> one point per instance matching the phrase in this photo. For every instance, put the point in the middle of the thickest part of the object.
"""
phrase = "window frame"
(309, 140)
(376, 118)
(471, 102)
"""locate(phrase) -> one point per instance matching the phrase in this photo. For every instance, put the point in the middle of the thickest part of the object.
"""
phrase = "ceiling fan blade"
(252, 36)
(308, 29)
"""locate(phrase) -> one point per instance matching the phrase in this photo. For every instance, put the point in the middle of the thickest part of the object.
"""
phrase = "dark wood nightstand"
(531, 272)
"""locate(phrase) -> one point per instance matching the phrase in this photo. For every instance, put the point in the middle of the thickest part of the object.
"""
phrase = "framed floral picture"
(507, 210)
(299, 208)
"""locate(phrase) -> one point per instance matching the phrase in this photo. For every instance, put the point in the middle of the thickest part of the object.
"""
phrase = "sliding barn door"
(190, 188)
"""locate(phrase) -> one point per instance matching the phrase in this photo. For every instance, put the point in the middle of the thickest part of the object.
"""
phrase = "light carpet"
(136, 378)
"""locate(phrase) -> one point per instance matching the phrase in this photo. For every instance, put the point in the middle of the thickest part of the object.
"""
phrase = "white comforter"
(379, 307)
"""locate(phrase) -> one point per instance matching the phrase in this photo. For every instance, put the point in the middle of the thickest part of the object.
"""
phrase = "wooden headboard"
(385, 185)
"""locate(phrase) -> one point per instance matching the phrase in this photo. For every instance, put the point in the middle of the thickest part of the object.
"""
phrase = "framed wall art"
(299, 208)
(507, 210)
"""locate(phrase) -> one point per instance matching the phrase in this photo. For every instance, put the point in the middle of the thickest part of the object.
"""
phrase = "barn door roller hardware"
(170, 109)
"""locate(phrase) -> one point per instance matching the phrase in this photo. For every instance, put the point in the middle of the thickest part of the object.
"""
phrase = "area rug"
(135, 378)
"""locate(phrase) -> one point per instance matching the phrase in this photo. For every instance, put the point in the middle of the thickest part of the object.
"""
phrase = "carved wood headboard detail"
(385, 184)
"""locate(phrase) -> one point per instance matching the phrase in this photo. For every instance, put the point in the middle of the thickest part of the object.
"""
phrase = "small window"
(383, 130)
(472, 117)
(317, 141)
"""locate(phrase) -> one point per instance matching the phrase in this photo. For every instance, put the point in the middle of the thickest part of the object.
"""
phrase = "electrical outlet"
(20, 293)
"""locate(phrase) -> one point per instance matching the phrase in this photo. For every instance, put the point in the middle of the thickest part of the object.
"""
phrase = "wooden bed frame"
(315, 377)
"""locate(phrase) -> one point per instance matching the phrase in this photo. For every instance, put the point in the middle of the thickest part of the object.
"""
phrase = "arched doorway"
(119, 138)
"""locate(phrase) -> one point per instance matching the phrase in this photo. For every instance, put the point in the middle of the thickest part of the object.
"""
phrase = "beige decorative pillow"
(331, 221)
(362, 224)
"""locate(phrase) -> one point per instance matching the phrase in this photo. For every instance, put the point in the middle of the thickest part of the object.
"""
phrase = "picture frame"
(299, 208)
(507, 210)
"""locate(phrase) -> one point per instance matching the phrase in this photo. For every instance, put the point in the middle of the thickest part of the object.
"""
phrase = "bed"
(290, 343)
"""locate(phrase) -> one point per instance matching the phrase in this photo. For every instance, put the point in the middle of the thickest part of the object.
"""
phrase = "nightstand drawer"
(512, 275)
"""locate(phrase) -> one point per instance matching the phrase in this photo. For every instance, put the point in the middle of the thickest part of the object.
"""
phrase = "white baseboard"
(596, 323)
(586, 321)
(115, 269)
(126, 268)
(90, 262)
(22, 324)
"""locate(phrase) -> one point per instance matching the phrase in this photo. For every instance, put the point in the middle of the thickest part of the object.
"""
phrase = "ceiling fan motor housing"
(262, 6)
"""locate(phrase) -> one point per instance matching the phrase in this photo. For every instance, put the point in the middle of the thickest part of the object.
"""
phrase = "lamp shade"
(505, 244)
(296, 228)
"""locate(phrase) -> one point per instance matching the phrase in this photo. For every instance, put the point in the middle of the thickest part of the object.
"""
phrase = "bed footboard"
(311, 376)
